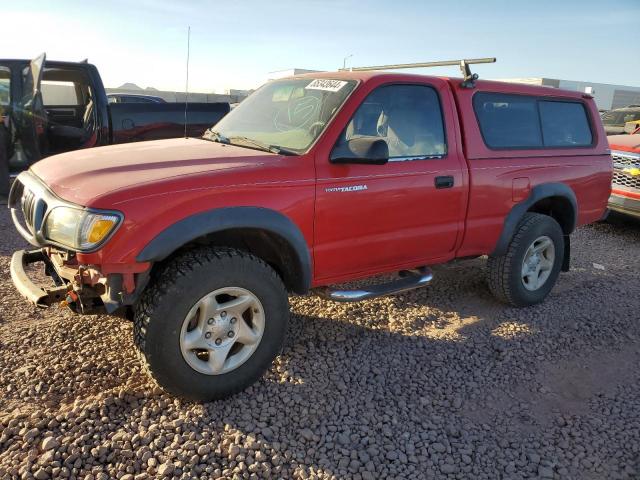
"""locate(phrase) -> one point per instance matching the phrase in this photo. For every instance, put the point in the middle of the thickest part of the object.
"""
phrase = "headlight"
(79, 229)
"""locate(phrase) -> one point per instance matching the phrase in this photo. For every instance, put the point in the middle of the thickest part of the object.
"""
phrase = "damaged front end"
(81, 288)
(85, 288)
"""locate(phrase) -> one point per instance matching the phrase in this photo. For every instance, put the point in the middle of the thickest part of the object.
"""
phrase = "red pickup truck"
(310, 182)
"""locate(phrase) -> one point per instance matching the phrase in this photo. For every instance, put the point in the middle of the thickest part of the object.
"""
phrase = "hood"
(628, 143)
(614, 129)
(85, 175)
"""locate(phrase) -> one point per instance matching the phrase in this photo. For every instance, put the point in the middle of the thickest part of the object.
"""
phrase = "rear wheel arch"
(265, 233)
(556, 200)
(559, 208)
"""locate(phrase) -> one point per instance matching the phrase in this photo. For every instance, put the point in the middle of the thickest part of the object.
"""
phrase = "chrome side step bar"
(409, 280)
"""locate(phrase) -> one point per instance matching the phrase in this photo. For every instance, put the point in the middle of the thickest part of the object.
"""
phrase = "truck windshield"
(284, 115)
(618, 117)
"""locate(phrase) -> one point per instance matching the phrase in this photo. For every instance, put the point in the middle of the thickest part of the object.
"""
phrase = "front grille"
(29, 201)
(621, 179)
(623, 164)
(28, 206)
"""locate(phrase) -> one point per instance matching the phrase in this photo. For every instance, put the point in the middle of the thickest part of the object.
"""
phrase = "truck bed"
(134, 122)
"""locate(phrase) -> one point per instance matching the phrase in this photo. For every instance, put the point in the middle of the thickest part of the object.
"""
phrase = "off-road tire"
(175, 289)
(504, 271)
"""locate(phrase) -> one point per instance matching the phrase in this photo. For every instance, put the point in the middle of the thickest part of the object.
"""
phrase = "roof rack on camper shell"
(467, 82)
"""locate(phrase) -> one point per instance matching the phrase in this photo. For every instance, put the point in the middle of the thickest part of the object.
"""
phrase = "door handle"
(444, 182)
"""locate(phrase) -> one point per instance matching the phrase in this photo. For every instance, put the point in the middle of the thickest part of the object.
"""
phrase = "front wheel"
(527, 272)
(211, 323)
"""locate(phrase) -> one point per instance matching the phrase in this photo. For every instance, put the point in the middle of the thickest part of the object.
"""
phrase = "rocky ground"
(439, 383)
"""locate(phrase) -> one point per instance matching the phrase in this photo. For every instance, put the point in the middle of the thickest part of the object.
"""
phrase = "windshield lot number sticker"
(326, 85)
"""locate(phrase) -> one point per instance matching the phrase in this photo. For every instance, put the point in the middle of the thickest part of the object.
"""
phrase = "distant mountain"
(151, 89)
(130, 86)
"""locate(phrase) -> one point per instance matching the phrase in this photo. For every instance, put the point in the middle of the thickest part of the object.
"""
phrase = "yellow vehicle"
(632, 127)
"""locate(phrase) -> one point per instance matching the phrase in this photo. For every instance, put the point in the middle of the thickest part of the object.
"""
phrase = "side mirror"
(361, 150)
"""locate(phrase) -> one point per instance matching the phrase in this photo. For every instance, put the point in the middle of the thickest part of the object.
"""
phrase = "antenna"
(469, 78)
(344, 61)
(186, 88)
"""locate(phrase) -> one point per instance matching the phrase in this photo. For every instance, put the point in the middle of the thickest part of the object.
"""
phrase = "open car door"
(5, 110)
(31, 117)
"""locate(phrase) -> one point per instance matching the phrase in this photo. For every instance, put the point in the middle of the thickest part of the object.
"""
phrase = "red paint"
(625, 193)
(627, 143)
(399, 221)
(521, 188)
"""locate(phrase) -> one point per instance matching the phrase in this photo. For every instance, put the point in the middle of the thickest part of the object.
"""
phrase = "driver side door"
(405, 213)
(30, 116)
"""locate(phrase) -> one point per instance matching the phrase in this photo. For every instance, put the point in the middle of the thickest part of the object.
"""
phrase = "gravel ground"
(442, 382)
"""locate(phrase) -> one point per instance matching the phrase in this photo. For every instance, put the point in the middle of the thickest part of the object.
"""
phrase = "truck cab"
(54, 107)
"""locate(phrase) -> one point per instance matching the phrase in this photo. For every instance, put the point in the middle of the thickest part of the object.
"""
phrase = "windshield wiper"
(214, 136)
(261, 146)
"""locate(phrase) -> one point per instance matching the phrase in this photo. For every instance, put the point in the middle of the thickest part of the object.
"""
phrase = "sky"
(236, 44)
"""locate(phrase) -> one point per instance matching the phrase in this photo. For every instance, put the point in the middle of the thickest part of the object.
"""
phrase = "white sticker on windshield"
(326, 84)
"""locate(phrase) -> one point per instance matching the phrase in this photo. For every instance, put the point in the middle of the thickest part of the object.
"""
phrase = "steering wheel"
(319, 125)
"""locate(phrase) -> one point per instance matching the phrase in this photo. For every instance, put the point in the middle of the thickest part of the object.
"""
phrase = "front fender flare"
(218, 220)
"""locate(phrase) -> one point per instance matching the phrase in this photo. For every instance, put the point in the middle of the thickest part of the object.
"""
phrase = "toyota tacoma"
(311, 182)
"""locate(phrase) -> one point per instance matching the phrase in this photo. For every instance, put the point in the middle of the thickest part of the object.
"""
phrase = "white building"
(607, 96)
(290, 72)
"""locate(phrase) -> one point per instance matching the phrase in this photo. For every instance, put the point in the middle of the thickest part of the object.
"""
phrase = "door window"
(60, 93)
(5, 86)
(407, 117)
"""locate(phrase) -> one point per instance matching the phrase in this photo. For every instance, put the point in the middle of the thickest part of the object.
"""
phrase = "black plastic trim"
(218, 220)
(539, 192)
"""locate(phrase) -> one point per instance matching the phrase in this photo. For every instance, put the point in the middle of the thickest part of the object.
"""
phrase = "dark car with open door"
(55, 107)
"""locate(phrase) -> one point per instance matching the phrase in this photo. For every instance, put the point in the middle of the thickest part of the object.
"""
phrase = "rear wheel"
(211, 323)
(527, 272)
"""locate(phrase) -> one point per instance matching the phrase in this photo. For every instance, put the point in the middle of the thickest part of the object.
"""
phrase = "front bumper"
(625, 202)
(83, 288)
(42, 297)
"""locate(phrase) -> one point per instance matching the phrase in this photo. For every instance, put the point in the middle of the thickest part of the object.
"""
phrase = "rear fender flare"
(539, 192)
